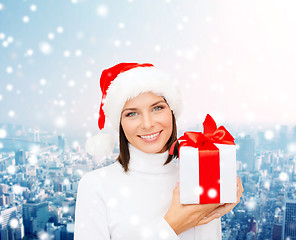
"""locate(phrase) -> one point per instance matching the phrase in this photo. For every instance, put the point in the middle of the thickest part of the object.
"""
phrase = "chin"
(152, 149)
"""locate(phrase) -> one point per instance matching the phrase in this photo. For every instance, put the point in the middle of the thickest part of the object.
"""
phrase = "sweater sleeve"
(90, 212)
(162, 230)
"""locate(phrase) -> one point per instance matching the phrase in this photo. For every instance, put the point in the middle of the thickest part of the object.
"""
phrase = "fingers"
(176, 194)
(240, 189)
(209, 218)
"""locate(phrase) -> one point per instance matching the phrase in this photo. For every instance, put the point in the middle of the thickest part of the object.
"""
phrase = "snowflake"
(71, 83)
(269, 135)
(45, 48)
(198, 190)
(157, 48)
(2, 36)
(43, 81)
(283, 176)
(88, 74)
(65, 209)
(1, 145)
(5, 44)
(67, 53)
(79, 172)
(9, 70)
(267, 185)
(13, 223)
(26, 19)
(125, 191)
(79, 35)
(42, 235)
(33, 8)
(50, 36)
(33, 160)
(66, 181)
(163, 234)
(212, 193)
(117, 43)
(128, 43)
(29, 52)
(60, 122)
(11, 169)
(74, 1)
(1, 6)
(17, 189)
(292, 147)
(3, 133)
(209, 19)
(251, 204)
(62, 103)
(250, 116)
(102, 10)
(11, 113)
(121, 25)
(35, 149)
(78, 53)
(88, 134)
(10, 39)
(180, 26)
(134, 220)
(60, 29)
(112, 202)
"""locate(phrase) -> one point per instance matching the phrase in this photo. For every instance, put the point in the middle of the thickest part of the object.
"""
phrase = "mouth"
(150, 137)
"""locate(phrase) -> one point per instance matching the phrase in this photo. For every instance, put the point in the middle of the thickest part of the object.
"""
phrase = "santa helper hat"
(122, 82)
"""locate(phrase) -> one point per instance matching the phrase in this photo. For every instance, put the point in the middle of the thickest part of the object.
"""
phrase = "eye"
(157, 108)
(131, 114)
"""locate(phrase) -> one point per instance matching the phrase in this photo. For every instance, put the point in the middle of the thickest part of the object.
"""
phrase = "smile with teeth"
(150, 136)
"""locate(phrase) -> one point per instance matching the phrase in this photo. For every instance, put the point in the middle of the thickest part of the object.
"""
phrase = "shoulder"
(96, 176)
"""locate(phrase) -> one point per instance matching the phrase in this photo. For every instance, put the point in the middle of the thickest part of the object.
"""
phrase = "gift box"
(207, 165)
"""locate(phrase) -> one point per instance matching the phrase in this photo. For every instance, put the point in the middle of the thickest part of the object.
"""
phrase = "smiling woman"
(137, 197)
(147, 122)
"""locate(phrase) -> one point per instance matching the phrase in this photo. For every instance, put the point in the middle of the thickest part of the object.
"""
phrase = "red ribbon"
(209, 163)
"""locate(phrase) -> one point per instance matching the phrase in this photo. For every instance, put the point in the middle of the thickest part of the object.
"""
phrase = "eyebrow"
(133, 109)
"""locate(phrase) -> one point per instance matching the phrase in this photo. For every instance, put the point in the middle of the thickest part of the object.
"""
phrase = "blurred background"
(234, 59)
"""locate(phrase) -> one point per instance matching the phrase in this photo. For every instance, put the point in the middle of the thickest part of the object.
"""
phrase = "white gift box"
(189, 162)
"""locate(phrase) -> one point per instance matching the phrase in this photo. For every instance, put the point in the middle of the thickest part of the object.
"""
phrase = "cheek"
(167, 121)
(128, 128)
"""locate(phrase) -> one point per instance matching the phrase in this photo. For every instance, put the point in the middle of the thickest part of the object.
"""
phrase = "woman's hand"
(183, 217)
(226, 207)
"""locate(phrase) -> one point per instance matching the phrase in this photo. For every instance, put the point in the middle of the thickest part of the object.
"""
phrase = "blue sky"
(235, 59)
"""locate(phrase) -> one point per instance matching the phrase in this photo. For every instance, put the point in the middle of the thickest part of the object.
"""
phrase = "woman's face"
(147, 122)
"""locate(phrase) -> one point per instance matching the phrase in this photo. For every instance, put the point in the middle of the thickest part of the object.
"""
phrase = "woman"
(137, 197)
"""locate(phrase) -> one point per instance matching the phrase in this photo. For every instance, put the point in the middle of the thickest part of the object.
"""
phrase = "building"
(61, 143)
(246, 152)
(19, 157)
(289, 224)
(35, 217)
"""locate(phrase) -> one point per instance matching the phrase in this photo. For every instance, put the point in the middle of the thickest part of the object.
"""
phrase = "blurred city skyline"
(235, 60)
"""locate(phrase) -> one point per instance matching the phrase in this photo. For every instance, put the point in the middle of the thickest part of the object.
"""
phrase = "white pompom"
(101, 144)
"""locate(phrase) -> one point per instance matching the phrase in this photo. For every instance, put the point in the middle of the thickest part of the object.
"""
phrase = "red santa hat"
(123, 82)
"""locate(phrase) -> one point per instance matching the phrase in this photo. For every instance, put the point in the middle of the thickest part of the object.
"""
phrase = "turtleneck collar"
(149, 162)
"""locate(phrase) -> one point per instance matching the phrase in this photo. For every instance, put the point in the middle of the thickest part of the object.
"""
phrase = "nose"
(147, 121)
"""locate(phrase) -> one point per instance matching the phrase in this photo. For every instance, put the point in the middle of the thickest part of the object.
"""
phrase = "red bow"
(205, 140)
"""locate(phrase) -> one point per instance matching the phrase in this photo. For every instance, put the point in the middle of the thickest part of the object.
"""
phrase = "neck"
(149, 162)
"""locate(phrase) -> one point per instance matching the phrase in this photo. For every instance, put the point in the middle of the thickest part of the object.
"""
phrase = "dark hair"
(124, 155)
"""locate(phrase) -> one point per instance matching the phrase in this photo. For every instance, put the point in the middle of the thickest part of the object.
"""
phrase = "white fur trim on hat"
(133, 82)
(101, 144)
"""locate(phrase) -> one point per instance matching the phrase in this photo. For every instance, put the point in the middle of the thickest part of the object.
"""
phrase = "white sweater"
(112, 204)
